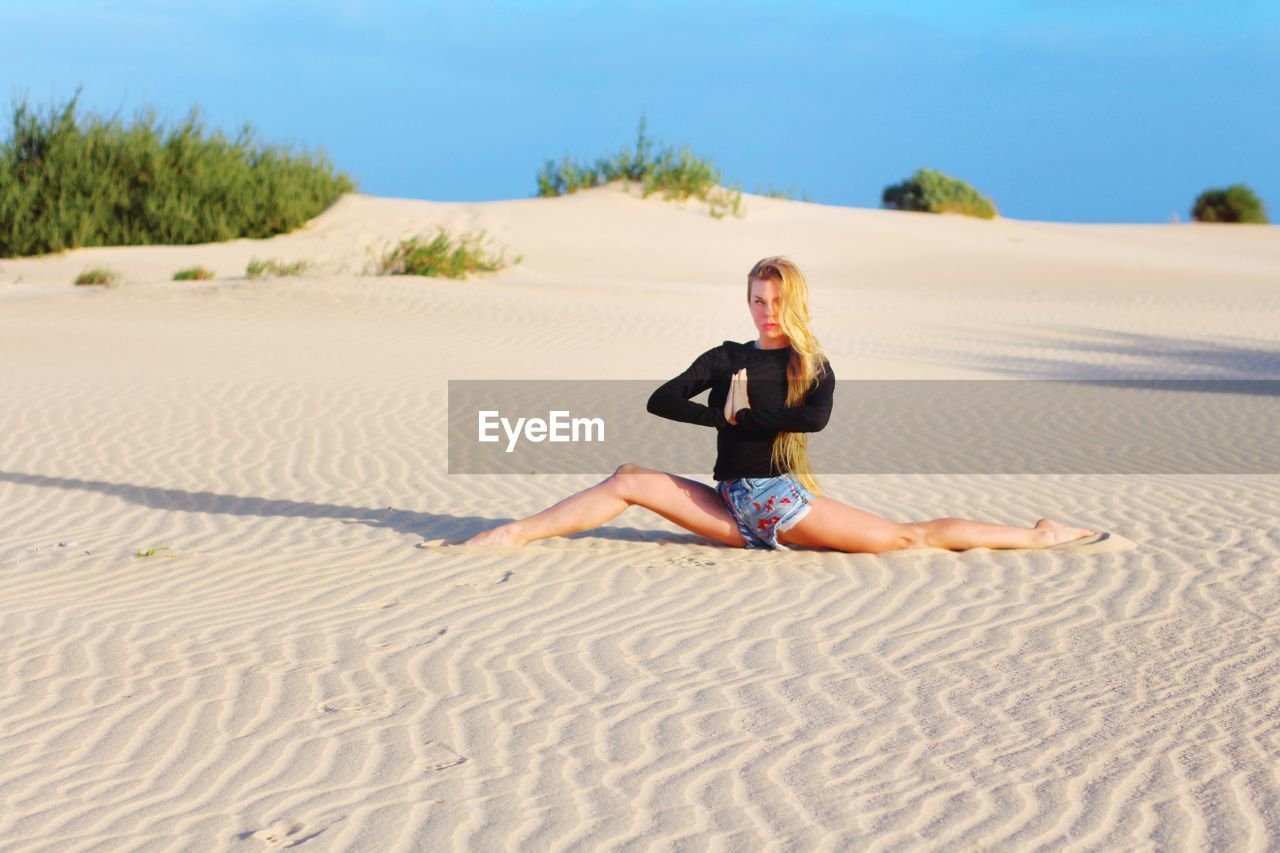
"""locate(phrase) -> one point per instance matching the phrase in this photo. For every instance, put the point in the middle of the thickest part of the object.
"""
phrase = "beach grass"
(274, 268)
(69, 180)
(440, 256)
(97, 275)
(785, 193)
(676, 173)
(193, 274)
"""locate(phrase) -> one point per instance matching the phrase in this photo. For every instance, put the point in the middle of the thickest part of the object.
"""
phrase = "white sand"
(292, 669)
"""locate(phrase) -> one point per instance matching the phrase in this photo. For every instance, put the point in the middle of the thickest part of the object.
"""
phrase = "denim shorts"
(763, 507)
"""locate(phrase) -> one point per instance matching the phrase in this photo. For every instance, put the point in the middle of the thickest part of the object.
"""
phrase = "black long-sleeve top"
(744, 449)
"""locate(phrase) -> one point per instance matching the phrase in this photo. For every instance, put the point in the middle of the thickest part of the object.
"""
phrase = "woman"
(766, 396)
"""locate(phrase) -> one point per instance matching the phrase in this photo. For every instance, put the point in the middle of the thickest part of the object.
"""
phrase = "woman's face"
(766, 303)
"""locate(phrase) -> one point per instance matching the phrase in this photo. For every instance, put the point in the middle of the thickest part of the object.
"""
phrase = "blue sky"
(1069, 110)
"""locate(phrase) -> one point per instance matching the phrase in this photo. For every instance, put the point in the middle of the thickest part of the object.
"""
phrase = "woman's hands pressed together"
(737, 398)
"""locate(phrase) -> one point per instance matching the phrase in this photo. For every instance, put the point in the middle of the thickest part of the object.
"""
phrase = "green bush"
(677, 174)
(439, 257)
(271, 268)
(193, 274)
(930, 191)
(1237, 203)
(98, 275)
(68, 181)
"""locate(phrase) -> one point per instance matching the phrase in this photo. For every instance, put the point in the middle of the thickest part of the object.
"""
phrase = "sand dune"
(286, 669)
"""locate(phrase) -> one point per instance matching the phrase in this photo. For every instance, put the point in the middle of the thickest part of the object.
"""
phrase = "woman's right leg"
(831, 524)
(692, 505)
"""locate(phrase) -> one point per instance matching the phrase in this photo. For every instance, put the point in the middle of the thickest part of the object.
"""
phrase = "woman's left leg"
(831, 524)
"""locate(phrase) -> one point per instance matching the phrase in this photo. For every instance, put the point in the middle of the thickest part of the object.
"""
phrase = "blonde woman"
(766, 396)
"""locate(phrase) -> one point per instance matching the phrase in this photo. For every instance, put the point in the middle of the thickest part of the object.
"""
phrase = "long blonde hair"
(805, 368)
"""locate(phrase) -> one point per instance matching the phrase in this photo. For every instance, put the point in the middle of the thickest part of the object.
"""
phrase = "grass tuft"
(193, 274)
(439, 257)
(785, 193)
(273, 268)
(98, 275)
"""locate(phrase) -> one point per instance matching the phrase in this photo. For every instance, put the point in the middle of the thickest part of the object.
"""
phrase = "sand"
(287, 668)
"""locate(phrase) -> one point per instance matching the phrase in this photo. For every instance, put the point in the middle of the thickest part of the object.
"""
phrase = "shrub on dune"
(98, 275)
(677, 174)
(68, 181)
(680, 174)
(193, 274)
(1236, 203)
(930, 191)
(440, 257)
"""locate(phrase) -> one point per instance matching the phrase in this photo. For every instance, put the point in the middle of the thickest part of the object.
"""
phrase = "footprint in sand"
(455, 546)
(440, 542)
(438, 756)
(355, 704)
(378, 605)
(282, 833)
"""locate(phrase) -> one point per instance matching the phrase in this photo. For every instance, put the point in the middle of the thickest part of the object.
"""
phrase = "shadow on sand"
(425, 524)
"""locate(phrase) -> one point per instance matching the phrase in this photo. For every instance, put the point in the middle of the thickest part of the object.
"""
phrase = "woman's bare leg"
(692, 505)
(831, 524)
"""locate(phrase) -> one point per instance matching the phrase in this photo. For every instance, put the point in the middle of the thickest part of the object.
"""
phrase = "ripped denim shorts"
(763, 507)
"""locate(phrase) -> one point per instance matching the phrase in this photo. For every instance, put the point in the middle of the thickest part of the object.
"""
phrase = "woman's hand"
(737, 398)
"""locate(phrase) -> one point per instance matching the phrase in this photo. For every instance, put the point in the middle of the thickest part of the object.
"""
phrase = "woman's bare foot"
(503, 535)
(1056, 534)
